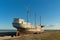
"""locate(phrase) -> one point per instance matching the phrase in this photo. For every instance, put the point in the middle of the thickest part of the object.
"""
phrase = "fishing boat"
(25, 27)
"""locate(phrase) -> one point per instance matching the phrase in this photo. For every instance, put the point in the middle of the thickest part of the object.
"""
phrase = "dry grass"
(48, 35)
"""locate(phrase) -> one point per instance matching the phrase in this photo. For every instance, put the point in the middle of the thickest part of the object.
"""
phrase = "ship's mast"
(40, 21)
(28, 9)
(35, 20)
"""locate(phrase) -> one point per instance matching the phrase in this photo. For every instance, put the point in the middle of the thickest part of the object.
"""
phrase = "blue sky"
(49, 10)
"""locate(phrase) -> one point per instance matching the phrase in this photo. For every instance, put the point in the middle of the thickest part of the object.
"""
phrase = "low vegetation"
(47, 35)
